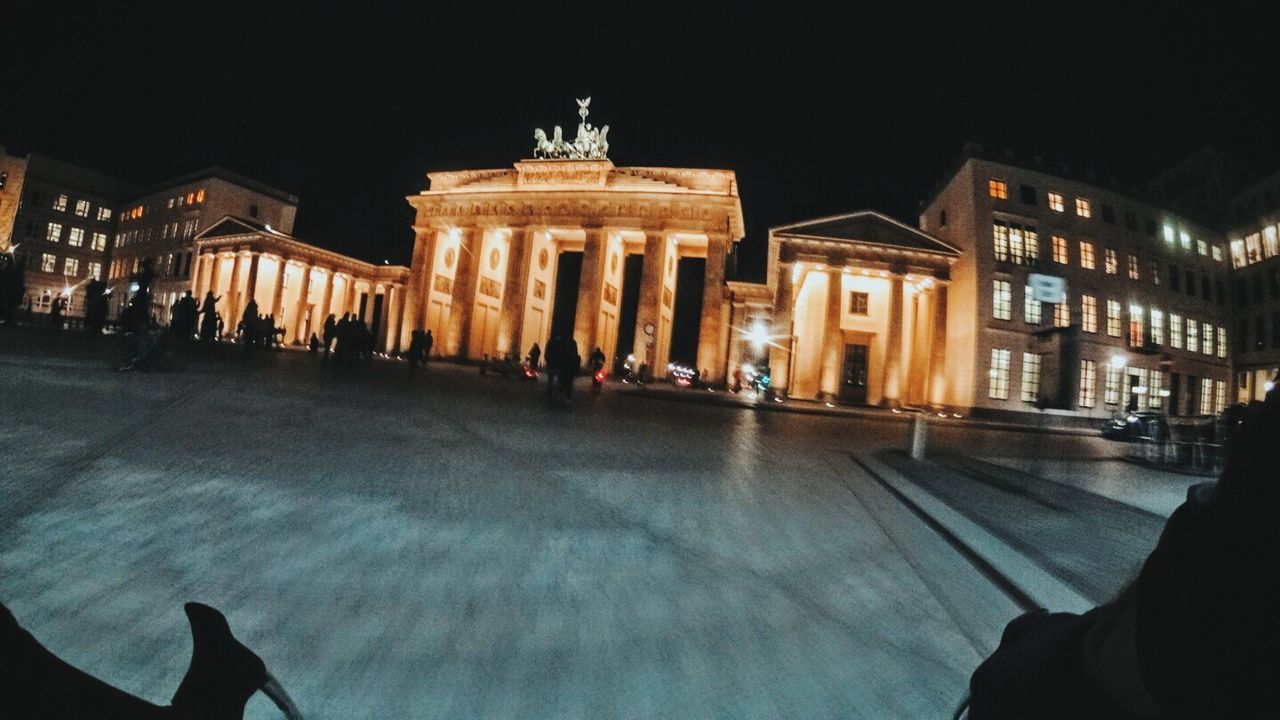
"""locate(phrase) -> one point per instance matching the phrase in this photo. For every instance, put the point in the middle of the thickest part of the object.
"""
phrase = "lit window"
(1061, 315)
(1270, 243)
(1222, 342)
(1219, 396)
(1056, 203)
(60, 203)
(1155, 388)
(1030, 307)
(82, 208)
(171, 203)
(1016, 243)
(1175, 331)
(200, 195)
(858, 303)
(1206, 346)
(1000, 238)
(1030, 377)
(1087, 259)
(1134, 272)
(54, 233)
(70, 266)
(191, 198)
(1113, 318)
(1083, 208)
(95, 270)
(999, 374)
(1202, 247)
(1154, 268)
(104, 214)
(1157, 326)
(1206, 396)
(1111, 262)
(1111, 384)
(1168, 234)
(1002, 300)
(1060, 255)
(1253, 247)
(1088, 383)
(1217, 253)
(1186, 240)
(1089, 313)
(48, 263)
(998, 189)
(1193, 336)
(75, 237)
(1136, 338)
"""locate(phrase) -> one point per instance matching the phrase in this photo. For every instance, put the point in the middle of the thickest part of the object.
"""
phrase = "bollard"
(917, 435)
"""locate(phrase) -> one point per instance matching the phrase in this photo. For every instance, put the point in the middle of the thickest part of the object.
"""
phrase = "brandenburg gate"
(484, 270)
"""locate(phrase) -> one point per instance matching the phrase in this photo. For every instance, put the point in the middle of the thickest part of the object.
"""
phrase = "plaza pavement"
(454, 546)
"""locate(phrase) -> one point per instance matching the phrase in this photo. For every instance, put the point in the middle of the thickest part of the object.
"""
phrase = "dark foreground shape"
(224, 674)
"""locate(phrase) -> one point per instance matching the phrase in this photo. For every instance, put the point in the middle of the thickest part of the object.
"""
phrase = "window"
(82, 208)
(1175, 278)
(99, 241)
(104, 214)
(1175, 330)
(1134, 272)
(1222, 341)
(1168, 234)
(1155, 388)
(171, 201)
(1087, 260)
(1084, 208)
(1013, 242)
(1030, 307)
(1136, 335)
(253, 212)
(70, 266)
(998, 389)
(1089, 313)
(942, 217)
(1001, 300)
(1206, 345)
(1111, 262)
(60, 203)
(200, 195)
(1202, 247)
(1060, 254)
(1113, 318)
(1186, 240)
(1219, 395)
(1157, 327)
(1193, 335)
(858, 303)
(1111, 384)
(1056, 203)
(1028, 195)
(1088, 383)
(1206, 396)
(1154, 268)
(54, 233)
(998, 189)
(95, 270)
(1061, 315)
(48, 262)
(75, 237)
(1030, 377)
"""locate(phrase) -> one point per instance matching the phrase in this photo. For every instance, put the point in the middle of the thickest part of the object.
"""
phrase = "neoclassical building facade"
(239, 259)
(483, 276)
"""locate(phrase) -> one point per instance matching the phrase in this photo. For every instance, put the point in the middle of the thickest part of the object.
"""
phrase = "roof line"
(872, 213)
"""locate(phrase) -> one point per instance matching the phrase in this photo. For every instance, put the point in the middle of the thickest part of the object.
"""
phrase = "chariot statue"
(591, 143)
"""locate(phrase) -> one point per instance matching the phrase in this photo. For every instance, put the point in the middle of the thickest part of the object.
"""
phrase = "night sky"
(817, 114)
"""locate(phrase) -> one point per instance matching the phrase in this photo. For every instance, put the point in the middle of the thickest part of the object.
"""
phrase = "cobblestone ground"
(453, 546)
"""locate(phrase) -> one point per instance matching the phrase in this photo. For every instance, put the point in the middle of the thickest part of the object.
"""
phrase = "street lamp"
(758, 336)
(1118, 361)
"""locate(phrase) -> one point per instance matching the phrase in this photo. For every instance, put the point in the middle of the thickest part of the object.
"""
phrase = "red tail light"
(600, 376)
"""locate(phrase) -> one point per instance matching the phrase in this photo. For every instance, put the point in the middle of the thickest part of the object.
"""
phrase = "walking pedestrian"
(535, 354)
(427, 342)
(570, 364)
(329, 333)
(553, 354)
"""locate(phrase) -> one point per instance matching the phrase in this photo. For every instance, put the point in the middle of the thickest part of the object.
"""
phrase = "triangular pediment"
(231, 225)
(869, 227)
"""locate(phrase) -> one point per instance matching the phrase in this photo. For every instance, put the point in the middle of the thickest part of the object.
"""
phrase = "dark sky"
(818, 111)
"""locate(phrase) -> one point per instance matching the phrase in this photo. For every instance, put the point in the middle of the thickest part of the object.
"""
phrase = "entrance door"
(853, 376)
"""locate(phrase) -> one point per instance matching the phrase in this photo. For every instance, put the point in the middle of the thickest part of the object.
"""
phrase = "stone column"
(215, 274)
(458, 334)
(300, 310)
(737, 324)
(780, 351)
(278, 295)
(590, 286)
(197, 277)
(235, 304)
(349, 297)
(938, 348)
(420, 275)
(893, 347)
(329, 275)
(514, 291)
(649, 309)
(250, 290)
(710, 347)
(832, 338)
(396, 324)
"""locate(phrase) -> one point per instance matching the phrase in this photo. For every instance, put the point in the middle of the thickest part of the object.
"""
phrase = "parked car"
(1144, 424)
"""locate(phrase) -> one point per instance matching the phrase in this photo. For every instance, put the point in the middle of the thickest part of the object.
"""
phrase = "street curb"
(797, 407)
(1025, 576)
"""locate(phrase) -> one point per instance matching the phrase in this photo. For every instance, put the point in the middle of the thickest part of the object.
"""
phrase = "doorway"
(853, 375)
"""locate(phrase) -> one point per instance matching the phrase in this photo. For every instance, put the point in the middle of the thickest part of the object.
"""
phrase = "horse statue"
(556, 147)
